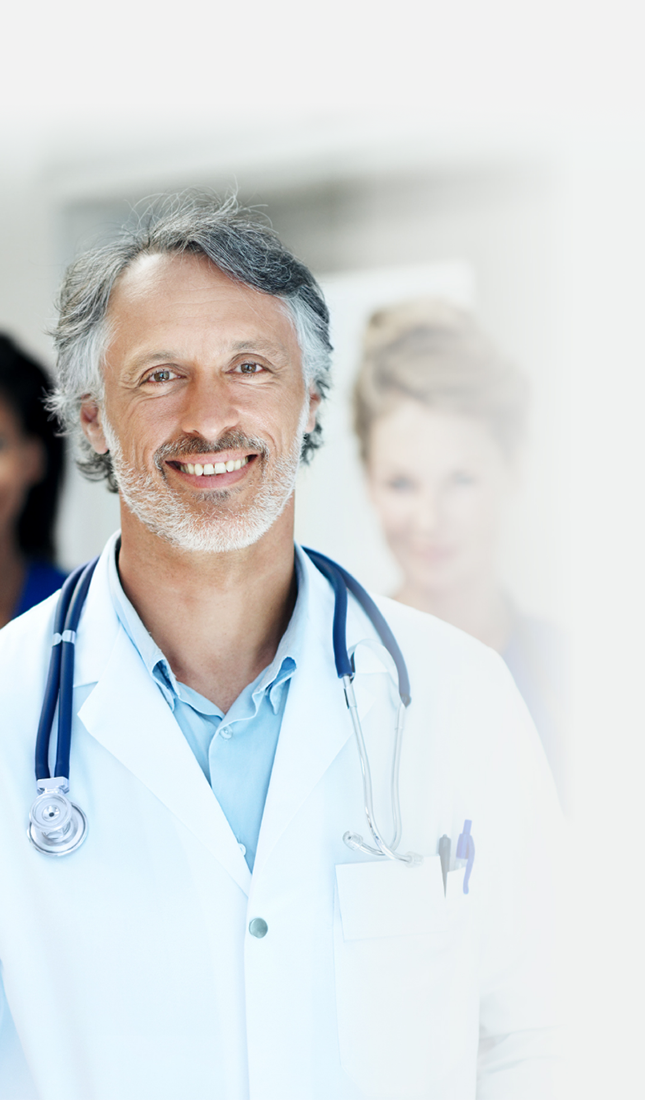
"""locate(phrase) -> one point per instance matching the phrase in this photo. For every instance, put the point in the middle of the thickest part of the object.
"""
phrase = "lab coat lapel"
(316, 723)
(126, 713)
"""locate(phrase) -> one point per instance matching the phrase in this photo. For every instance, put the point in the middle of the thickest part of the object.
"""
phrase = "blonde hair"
(432, 352)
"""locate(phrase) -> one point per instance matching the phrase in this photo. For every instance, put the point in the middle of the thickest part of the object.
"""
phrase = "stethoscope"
(58, 827)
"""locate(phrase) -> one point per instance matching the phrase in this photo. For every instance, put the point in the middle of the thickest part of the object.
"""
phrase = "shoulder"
(428, 642)
(540, 637)
(25, 642)
(461, 689)
(27, 632)
(25, 650)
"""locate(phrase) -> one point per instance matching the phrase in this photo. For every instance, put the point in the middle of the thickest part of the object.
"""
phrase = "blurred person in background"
(441, 419)
(31, 470)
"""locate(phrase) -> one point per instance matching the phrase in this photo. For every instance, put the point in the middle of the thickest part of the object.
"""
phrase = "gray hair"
(238, 241)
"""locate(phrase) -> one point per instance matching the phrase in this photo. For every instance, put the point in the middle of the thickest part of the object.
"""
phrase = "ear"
(91, 425)
(314, 402)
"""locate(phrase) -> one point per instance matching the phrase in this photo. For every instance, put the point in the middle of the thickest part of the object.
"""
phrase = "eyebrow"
(152, 357)
(261, 347)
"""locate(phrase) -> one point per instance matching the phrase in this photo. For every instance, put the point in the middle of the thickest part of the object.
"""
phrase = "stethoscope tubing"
(60, 677)
(342, 582)
(60, 685)
(333, 571)
(53, 678)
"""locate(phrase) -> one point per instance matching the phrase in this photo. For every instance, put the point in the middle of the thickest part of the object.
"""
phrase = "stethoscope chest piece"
(56, 826)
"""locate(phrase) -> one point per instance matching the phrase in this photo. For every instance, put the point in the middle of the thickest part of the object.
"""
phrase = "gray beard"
(218, 526)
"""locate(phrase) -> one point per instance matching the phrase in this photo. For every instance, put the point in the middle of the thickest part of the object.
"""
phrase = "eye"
(249, 367)
(161, 375)
(401, 484)
(462, 477)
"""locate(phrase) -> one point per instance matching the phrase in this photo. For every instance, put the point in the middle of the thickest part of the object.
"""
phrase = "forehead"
(432, 434)
(186, 295)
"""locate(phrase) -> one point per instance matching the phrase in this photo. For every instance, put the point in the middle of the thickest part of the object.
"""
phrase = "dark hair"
(237, 240)
(25, 387)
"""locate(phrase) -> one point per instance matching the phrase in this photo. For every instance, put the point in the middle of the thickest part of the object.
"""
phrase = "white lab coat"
(128, 968)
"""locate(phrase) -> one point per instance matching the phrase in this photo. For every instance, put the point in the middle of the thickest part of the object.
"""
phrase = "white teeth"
(208, 469)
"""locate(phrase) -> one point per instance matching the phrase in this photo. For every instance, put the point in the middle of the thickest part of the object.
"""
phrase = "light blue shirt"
(235, 750)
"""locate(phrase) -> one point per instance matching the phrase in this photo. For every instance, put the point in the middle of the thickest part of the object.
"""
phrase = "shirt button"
(258, 928)
(225, 733)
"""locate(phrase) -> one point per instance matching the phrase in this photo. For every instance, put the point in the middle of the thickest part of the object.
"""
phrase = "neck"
(12, 575)
(478, 607)
(218, 617)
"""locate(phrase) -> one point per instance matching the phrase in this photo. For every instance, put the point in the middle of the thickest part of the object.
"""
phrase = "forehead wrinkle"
(152, 357)
(260, 337)
(260, 345)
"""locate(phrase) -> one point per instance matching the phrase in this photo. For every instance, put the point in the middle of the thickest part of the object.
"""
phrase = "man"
(214, 936)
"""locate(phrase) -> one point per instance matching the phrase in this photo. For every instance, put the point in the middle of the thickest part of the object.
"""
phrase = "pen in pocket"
(444, 856)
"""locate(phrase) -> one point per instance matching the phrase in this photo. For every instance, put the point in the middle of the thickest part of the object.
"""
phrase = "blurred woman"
(31, 468)
(440, 418)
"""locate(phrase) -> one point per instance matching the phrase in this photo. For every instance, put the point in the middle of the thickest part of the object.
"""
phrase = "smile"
(209, 468)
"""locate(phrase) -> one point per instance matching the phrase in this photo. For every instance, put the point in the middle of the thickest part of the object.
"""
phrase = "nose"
(209, 408)
(428, 512)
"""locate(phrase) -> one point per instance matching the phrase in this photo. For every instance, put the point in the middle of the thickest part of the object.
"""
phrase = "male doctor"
(214, 938)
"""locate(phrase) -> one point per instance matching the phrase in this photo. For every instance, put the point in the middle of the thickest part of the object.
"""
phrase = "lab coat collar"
(126, 713)
(93, 647)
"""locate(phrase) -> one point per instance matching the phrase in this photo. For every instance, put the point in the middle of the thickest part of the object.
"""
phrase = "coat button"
(258, 927)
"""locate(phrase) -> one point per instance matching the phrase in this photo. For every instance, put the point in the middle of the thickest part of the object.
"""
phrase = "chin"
(435, 580)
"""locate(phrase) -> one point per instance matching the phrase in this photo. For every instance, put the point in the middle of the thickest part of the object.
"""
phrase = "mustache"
(186, 446)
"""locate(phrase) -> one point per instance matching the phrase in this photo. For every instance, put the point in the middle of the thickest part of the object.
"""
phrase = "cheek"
(13, 488)
(141, 432)
(396, 511)
(475, 510)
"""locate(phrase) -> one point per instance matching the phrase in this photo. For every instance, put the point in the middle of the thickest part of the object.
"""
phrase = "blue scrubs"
(42, 579)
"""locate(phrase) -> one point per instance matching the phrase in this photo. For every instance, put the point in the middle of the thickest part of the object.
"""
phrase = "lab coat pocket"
(405, 978)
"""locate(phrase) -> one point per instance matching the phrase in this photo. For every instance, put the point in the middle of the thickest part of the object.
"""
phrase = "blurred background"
(476, 231)
(489, 153)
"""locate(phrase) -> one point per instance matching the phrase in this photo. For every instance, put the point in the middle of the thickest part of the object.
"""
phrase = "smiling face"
(205, 404)
(439, 482)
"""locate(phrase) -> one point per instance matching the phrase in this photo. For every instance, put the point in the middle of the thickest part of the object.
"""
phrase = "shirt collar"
(268, 682)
